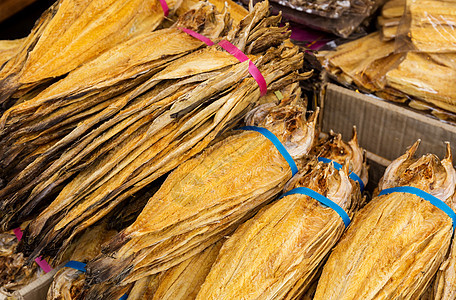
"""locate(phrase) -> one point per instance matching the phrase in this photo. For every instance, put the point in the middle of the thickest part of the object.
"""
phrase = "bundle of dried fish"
(274, 255)
(171, 117)
(355, 62)
(68, 282)
(396, 243)
(83, 113)
(72, 33)
(389, 20)
(47, 124)
(183, 281)
(208, 196)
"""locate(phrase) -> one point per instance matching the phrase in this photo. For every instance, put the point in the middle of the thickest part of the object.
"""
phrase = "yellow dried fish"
(206, 196)
(396, 243)
(419, 76)
(432, 26)
(77, 31)
(183, 281)
(274, 254)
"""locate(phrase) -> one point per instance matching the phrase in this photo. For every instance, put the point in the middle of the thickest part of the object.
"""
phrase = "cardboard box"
(385, 129)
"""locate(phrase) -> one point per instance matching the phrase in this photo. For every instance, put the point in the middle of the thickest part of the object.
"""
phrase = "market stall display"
(154, 149)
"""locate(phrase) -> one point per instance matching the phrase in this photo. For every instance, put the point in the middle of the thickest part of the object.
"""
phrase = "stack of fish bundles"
(208, 196)
(397, 242)
(136, 112)
(413, 62)
(276, 254)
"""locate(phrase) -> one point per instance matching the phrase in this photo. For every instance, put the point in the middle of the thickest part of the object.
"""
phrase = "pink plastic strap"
(253, 70)
(43, 264)
(233, 50)
(18, 233)
(197, 36)
(165, 7)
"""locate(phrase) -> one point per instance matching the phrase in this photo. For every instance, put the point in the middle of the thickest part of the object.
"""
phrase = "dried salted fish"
(420, 76)
(355, 57)
(432, 27)
(183, 281)
(169, 122)
(274, 254)
(396, 243)
(74, 32)
(33, 172)
(174, 226)
(68, 283)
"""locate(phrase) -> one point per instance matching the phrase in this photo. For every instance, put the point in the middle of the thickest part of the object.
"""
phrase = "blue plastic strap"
(323, 200)
(338, 166)
(124, 297)
(426, 196)
(76, 265)
(270, 136)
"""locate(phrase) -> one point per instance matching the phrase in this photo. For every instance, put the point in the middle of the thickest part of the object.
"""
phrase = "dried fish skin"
(183, 281)
(274, 254)
(396, 243)
(334, 148)
(177, 208)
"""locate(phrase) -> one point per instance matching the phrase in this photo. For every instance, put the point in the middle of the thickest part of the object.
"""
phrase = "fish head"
(428, 173)
(288, 123)
(324, 179)
(334, 148)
